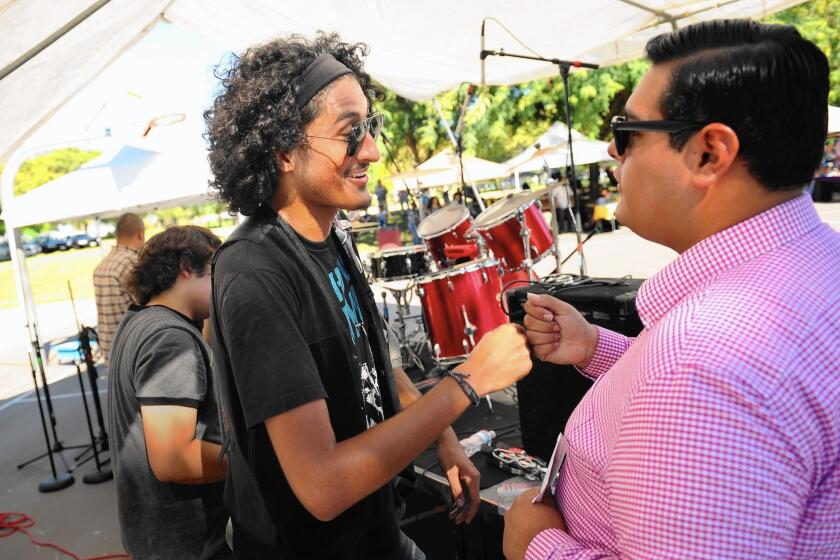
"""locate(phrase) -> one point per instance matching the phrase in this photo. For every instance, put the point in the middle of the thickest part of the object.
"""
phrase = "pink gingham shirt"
(716, 432)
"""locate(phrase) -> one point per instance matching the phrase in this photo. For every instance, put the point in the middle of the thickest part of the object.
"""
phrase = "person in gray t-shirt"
(163, 415)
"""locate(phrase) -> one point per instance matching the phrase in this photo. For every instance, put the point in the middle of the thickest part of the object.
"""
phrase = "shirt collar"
(126, 248)
(722, 251)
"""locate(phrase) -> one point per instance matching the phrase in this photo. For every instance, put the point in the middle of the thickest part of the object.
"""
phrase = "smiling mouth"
(358, 174)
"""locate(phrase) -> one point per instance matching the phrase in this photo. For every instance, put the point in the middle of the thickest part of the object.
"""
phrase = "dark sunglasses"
(371, 125)
(622, 128)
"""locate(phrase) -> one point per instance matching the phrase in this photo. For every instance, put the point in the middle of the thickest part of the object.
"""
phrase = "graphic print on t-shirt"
(345, 292)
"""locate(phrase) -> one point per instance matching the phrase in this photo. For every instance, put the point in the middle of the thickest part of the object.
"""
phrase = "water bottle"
(472, 444)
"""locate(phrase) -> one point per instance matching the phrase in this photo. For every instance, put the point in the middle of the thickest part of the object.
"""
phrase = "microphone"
(483, 54)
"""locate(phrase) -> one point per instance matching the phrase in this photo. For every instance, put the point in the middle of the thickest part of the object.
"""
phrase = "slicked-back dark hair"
(764, 81)
(256, 115)
(165, 254)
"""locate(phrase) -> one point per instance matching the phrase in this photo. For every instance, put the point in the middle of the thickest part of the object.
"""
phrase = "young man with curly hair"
(311, 397)
(715, 433)
(162, 411)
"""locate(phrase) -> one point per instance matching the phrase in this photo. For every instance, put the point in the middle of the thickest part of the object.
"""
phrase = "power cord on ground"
(12, 522)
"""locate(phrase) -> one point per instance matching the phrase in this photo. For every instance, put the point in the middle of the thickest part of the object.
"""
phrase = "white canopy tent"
(417, 49)
(125, 178)
(51, 50)
(553, 151)
(444, 168)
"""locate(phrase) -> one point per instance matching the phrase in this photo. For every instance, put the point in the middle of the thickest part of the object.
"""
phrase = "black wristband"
(461, 379)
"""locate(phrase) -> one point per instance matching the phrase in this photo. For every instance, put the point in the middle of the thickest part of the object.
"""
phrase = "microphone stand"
(100, 443)
(421, 211)
(456, 143)
(564, 67)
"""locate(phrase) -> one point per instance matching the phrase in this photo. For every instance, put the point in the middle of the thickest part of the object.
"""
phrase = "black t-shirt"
(294, 322)
(334, 270)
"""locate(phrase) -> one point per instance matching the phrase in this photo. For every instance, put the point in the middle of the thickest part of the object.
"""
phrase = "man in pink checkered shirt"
(716, 432)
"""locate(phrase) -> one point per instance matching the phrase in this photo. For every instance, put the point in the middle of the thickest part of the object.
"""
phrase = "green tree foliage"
(818, 21)
(47, 167)
(500, 121)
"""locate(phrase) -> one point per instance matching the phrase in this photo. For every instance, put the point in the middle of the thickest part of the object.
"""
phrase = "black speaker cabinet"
(549, 394)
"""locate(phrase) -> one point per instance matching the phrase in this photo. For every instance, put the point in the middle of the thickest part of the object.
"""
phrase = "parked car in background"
(52, 241)
(81, 240)
(27, 244)
(30, 246)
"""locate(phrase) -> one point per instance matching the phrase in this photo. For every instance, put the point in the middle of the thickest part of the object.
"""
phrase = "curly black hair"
(256, 115)
(163, 257)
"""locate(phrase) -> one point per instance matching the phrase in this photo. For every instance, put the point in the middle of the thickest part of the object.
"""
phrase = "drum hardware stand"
(456, 143)
(570, 255)
(470, 330)
(90, 366)
(525, 234)
(480, 242)
(385, 313)
(101, 475)
(399, 330)
(555, 229)
(564, 67)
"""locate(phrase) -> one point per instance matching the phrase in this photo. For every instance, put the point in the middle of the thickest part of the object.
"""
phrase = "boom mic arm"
(483, 52)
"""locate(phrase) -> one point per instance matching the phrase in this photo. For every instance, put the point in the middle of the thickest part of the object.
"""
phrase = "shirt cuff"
(554, 544)
(610, 347)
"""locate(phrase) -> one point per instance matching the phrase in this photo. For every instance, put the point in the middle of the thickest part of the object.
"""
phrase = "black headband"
(320, 72)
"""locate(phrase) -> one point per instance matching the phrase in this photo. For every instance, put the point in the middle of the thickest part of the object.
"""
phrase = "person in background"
(381, 197)
(605, 196)
(715, 432)
(562, 194)
(109, 276)
(458, 198)
(411, 219)
(434, 204)
(402, 196)
(163, 416)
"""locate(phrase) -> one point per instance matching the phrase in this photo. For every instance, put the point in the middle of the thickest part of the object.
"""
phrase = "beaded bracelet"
(461, 379)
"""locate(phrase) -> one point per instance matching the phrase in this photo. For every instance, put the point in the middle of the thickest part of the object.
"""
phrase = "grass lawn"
(50, 273)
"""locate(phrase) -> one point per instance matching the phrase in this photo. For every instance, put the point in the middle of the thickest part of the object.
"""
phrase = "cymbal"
(356, 227)
(527, 196)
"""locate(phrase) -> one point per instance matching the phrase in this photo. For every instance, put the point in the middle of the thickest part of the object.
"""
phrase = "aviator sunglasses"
(371, 125)
(622, 129)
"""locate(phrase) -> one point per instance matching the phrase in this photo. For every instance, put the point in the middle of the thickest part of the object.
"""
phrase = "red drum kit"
(462, 270)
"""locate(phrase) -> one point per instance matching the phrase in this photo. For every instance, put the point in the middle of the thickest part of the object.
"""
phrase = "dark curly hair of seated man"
(165, 255)
(256, 115)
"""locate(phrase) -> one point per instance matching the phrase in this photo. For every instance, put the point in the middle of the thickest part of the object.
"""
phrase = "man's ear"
(284, 161)
(712, 153)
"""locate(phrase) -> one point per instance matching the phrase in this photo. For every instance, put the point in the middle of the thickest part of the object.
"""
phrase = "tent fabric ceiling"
(417, 49)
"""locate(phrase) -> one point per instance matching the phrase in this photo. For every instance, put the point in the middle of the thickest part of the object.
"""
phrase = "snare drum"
(447, 226)
(400, 263)
(505, 225)
(460, 305)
